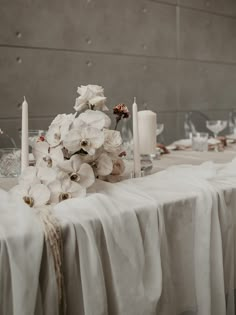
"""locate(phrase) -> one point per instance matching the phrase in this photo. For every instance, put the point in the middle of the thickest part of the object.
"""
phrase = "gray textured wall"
(174, 55)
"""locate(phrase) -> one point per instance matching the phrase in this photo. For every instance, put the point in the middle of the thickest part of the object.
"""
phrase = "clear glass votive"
(200, 141)
(146, 163)
(10, 162)
(33, 135)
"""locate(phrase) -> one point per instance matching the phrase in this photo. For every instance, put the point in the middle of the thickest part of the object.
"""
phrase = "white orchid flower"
(103, 165)
(65, 189)
(93, 118)
(91, 96)
(59, 129)
(53, 135)
(37, 175)
(78, 171)
(47, 156)
(86, 140)
(112, 141)
(35, 195)
(63, 119)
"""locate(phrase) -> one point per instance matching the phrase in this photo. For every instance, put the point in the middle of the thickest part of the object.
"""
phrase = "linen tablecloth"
(163, 244)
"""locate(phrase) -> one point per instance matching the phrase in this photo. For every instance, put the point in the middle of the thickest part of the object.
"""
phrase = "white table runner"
(163, 244)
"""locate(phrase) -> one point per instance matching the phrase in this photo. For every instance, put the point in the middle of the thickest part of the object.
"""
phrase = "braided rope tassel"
(53, 237)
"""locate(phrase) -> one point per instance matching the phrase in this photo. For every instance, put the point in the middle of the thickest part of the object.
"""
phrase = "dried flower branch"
(121, 111)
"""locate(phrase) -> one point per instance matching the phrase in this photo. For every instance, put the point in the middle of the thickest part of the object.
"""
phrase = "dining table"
(160, 244)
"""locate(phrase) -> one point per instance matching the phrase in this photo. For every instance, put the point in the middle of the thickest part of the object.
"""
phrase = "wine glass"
(10, 162)
(160, 128)
(127, 138)
(216, 126)
(6, 141)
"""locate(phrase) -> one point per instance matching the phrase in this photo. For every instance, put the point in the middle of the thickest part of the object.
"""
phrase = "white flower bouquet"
(77, 149)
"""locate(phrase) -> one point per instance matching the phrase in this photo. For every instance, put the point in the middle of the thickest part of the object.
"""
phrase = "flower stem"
(118, 118)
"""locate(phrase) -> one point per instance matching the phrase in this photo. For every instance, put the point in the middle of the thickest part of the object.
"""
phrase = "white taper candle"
(137, 164)
(24, 136)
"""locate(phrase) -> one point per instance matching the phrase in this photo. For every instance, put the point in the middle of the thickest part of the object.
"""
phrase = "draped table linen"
(163, 244)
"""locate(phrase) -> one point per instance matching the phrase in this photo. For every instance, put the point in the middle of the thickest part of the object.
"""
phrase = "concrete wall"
(173, 55)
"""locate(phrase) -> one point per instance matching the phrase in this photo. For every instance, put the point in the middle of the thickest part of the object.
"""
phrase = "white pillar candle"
(24, 137)
(137, 165)
(147, 121)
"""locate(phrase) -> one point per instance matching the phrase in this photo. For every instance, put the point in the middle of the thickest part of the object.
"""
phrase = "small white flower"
(118, 167)
(47, 156)
(103, 165)
(35, 195)
(112, 141)
(91, 96)
(93, 118)
(79, 172)
(85, 139)
(65, 189)
(59, 128)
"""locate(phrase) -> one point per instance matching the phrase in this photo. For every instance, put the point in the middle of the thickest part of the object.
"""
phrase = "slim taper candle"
(137, 165)
(24, 137)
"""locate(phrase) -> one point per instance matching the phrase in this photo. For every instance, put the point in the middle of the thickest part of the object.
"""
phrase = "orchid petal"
(72, 140)
(78, 123)
(95, 135)
(66, 166)
(40, 194)
(90, 151)
(77, 190)
(104, 165)
(55, 189)
(86, 175)
(75, 162)
(20, 191)
(29, 175)
(56, 155)
(53, 135)
(40, 149)
(46, 175)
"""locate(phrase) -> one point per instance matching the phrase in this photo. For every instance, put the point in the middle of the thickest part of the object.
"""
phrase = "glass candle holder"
(200, 141)
(33, 134)
(10, 164)
(146, 163)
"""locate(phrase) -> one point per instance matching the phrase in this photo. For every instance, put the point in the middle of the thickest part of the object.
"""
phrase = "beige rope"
(53, 237)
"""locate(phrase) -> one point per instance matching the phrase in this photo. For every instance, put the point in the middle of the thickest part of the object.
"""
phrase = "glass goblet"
(159, 130)
(216, 126)
(10, 162)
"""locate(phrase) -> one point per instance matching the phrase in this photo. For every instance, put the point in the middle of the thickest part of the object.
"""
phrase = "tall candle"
(24, 137)
(147, 121)
(137, 165)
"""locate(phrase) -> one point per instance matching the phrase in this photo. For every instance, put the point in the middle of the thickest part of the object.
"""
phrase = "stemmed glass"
(216, 126)
(159, 130)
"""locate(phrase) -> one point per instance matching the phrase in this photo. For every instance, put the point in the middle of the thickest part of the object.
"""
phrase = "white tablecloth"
(163, 244)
